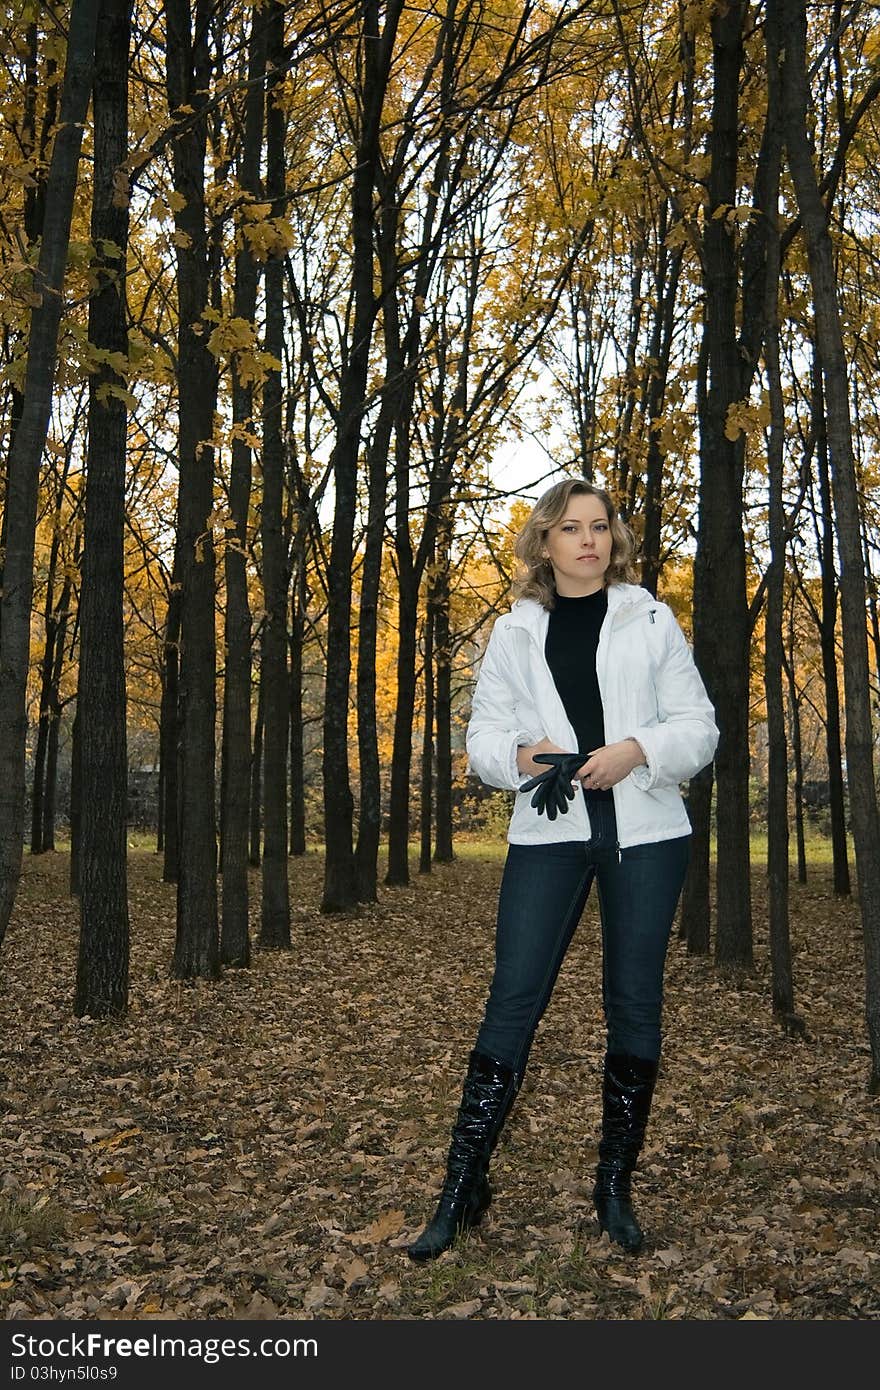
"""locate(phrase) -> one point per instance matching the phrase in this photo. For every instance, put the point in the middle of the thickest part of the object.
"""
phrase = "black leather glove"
(553, 789)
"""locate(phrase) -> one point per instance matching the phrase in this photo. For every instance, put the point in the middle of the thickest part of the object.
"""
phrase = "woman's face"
(579, 546)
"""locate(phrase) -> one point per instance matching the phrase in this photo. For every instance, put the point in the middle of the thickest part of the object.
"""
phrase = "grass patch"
(483, 847)
(474, 848)
(575, 1271)
(142, 1206)
(452, 1280)
(41, 1221)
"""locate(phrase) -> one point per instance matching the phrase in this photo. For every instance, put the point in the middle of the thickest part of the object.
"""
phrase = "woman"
(587, 684)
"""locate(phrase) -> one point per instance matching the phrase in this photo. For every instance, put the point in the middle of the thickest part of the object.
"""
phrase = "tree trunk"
(32, 149)
(411, 566)
(102, 964)
(626, 476)
(828, 643)
(340, 885)
(169, 732)
(853, 598)
(275, 917)
(370, 810)
(774, 647)
(39, 772)
(297, 843)
(721, 614)
(426, 780)
(370, 790)
(794, 714)
(47, 667)
(55, 707)
(667, 277)
(401, 759)
(75, 806)
(443, 851)
(30, 437)
(188, 74)
(874, 610)
(235, 944)
(410, 569)
(256, 818)
(160, 804)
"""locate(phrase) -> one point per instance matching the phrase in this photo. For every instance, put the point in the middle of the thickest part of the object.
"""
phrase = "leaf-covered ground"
(265, 1147)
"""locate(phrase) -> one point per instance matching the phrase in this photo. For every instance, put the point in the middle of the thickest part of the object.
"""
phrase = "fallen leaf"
(354, 1271)
(261, 1308)
(116, 1139)
(316, 1296)
(672, 1256)
(461, 1310)
(385, 1226)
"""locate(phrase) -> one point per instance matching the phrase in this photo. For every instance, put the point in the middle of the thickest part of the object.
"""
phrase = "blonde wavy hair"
(534, 578)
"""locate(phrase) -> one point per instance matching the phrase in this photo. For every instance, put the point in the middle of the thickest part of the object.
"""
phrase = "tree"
(375, 48)
(234, 935)
(275, 919)
(768, 185)
(826, 622)
(188, 71)
(30, 437)
(721, 618)
(791, 15)
(56, 609)
(102, 965)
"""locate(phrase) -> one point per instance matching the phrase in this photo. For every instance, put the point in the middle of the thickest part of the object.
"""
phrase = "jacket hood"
(532, 615)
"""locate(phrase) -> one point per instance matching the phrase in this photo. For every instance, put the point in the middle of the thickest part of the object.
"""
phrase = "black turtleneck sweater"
(570, 649)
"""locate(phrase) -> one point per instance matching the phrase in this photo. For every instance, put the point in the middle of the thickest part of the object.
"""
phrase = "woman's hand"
(525, 754)
(609, 765)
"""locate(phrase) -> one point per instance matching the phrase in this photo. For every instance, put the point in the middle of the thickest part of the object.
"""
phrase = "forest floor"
(266, 1146)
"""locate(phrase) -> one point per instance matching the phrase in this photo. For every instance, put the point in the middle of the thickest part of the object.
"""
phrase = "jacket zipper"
(612, 621)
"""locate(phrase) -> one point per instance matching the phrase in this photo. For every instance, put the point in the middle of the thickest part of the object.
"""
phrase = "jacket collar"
(533, 616)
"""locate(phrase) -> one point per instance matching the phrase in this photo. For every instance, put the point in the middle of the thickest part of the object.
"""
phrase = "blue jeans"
(543, 892)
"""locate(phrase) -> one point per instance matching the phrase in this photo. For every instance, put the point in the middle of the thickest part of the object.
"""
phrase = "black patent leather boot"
(627, 1090)
(489, 1091)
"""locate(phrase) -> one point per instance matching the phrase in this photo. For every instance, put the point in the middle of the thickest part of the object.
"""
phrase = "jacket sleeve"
(494, 732)
(686, 736)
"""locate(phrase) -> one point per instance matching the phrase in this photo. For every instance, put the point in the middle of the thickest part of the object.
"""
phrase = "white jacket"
(650, 690)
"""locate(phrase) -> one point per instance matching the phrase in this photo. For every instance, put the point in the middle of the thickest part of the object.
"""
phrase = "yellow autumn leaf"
(116, 1139)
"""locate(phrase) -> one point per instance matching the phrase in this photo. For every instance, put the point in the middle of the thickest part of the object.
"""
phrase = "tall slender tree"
(30, 438)
(234, 932)
(853, 596)
(777, 792)
(102, 965)
(275, 914)
(721, 615)
(375, 49)
(826, 621)
(188, 75)
(53, 610)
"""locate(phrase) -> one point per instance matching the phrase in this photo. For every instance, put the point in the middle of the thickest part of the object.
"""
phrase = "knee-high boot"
(489, 1091)
(627, 1090)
